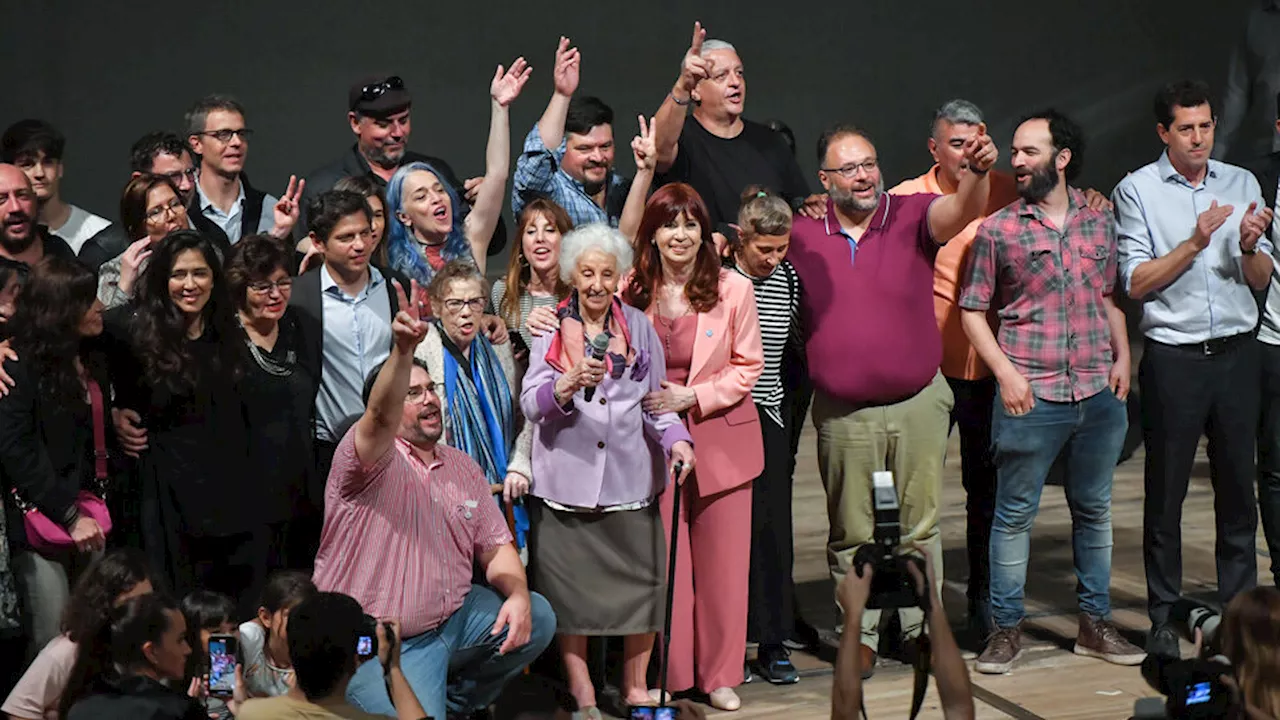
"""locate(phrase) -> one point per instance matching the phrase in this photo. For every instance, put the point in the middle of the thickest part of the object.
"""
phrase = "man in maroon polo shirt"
(880, 402)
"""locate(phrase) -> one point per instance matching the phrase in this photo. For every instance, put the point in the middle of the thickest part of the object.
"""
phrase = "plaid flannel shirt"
(1048, 288)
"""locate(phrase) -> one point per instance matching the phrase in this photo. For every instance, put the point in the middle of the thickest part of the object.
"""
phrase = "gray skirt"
(603, 573)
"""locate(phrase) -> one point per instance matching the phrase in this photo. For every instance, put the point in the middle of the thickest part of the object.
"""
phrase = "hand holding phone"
(222, 665)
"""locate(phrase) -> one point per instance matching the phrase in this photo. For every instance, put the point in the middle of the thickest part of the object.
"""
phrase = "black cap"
(391, 95)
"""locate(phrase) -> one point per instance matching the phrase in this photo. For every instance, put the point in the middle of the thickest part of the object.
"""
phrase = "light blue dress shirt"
(231, 222)
(1156, 210)
(357, 336)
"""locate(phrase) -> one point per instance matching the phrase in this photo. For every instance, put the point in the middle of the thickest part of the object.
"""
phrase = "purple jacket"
(609, 451)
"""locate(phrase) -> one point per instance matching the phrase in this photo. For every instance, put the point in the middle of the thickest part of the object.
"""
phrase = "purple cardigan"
(609, 451)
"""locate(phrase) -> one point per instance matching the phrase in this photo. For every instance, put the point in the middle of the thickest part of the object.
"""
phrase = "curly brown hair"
(664, 206)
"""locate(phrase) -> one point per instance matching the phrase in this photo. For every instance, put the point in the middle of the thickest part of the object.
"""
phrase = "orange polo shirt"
(959, 359)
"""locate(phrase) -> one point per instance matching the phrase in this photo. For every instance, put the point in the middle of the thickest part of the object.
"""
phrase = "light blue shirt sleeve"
(1133, 237)
(535, 169)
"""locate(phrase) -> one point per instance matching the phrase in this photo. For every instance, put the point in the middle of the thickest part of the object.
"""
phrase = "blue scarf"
(481, 415)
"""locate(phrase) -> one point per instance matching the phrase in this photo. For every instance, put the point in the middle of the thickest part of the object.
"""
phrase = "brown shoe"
(866, 661)
(1003, 647)
(1099, 638)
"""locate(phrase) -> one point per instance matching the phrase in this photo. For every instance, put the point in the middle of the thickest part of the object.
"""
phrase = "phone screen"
(1201, 692)
(364, 646)
(222, 665)
(653, 713)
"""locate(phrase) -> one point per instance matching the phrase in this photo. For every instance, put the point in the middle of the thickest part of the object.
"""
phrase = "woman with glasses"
(279, 393)
(150, 209)
(177, 360)
(478, 383)
(426, 229)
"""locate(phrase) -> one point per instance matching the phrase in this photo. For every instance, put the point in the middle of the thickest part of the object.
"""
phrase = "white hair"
(710, 45)
(596, 236)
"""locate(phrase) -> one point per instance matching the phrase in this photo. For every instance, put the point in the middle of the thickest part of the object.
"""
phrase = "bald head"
(17, 210)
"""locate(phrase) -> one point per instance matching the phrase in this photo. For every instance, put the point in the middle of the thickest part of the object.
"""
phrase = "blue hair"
(402, 249)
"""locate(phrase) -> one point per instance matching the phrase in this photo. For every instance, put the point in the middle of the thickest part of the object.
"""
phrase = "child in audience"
(207, 613)
(264, 644)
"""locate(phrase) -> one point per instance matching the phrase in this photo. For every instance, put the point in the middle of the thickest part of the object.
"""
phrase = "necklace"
(269, 365)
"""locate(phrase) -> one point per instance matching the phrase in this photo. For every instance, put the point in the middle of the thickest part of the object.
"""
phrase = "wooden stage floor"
(1049, 681)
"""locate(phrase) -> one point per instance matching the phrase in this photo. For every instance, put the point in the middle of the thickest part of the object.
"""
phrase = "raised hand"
(568, 67)
(644, 147)
(285, 212)
(1208, 222)
(407, 328)
(507, 84)
(980, 151)
(471, 188)
(131, 264)
(1253, 225)
(693, 68)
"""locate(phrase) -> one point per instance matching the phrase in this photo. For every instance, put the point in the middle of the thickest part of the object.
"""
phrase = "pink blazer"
(728, 358)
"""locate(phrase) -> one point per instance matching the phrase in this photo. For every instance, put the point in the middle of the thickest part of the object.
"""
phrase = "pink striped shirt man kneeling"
(401, 537)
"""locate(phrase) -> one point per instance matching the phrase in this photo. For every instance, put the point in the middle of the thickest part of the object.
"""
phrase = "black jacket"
(353, 164)
(308, 305)
(46, 447)
(136, 698)
(253, 209)
(1267, 171)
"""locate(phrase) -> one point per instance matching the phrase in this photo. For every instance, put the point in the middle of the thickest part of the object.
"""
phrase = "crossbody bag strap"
(98, 410)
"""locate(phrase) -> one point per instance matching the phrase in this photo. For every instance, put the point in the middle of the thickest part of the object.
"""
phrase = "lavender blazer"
(608, 451)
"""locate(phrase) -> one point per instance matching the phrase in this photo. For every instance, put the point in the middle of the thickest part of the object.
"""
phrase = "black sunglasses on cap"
(374, 91)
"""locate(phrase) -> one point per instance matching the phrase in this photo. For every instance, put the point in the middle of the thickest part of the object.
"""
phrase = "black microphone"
(599, 346)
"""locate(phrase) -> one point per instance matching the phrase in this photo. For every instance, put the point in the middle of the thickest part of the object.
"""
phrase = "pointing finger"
(695, 46)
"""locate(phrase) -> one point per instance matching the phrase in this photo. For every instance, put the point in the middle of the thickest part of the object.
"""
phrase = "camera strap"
(923, 667)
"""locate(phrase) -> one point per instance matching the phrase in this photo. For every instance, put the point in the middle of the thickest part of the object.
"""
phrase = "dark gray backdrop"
(107, 72)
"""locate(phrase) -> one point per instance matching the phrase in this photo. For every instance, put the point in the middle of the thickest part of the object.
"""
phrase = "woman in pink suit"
(705, 317)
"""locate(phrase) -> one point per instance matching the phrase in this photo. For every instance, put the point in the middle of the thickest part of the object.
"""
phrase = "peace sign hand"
(507, 84)
(644, 146)
(285, 212)
(694, 67)
(567, 69)
(407, 328)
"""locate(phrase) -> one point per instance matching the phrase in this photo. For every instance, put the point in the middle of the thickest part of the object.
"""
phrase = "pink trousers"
(709, 617)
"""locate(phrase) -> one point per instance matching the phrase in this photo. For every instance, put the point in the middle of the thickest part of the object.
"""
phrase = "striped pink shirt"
(401, 537)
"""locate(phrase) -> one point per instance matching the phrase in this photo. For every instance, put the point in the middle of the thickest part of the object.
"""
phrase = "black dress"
(194, 502)
(279, 403)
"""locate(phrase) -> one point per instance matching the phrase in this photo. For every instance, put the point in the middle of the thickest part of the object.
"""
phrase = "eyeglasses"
(419, 393)
(848, 172)
(173, 206)
(176, 176)
(224, 135)
(456, 304)
(376, 90)
(264, 286)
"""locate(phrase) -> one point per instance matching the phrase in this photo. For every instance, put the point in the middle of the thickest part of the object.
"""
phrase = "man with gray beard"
(872, 343)
(22, 241)
(379, 114)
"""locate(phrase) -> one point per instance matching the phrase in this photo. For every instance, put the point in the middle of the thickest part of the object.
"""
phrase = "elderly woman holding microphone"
(598, 551)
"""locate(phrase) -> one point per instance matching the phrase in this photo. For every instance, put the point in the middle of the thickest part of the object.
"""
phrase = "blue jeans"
(1088, 435)
(455, 669)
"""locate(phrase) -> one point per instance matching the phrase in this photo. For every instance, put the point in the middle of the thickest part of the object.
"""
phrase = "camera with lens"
(892, 585)
(1193, 688)
(367, 641)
